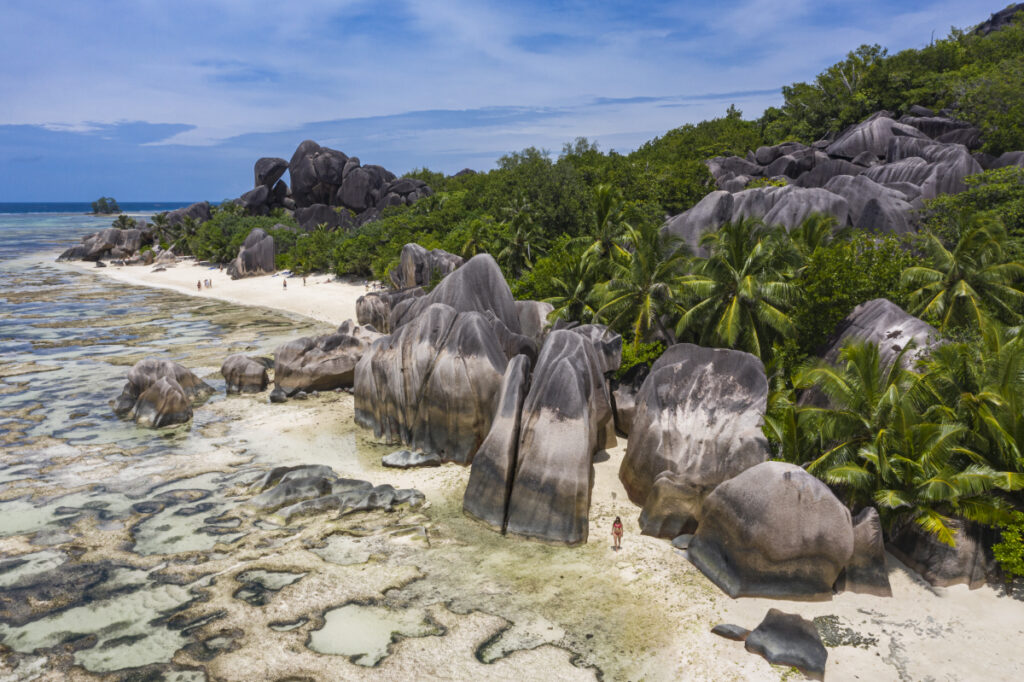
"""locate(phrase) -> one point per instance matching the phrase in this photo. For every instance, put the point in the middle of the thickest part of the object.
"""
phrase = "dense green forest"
(926, 442)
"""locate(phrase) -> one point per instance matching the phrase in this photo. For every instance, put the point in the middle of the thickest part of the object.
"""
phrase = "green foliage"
(634, 354)
(105, 206)
(219, 238)
(123, 222)
(766, 182)
(841, 275)
(998, 194)
(1009, 551)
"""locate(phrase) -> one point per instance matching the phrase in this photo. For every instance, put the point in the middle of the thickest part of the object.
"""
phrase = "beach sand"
(642, 613)
(322, 298)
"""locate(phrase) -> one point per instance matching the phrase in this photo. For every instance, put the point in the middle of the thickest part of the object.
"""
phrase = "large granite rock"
(243, 374)
(624, 392)
(697, 423)
(311, 217)
(787, 639)
(867, 571)
(999, 20)
(316, 174)
(322, 363)
(433, 383)
(420, 267)
(255, 256)
(566, 418)
(111, 242)
(969, 562)
(533, 319)
(494, 465)
(374, 308)
(885, 324)
(477, 286)
(268, 170)
(159, 393)
(773, 531)
(199, 212)
(871, 135)
(873, 207)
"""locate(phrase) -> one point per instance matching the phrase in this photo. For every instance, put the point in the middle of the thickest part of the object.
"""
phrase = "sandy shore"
(321, 297)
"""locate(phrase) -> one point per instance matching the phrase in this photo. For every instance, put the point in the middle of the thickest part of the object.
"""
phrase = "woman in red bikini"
(617, 533)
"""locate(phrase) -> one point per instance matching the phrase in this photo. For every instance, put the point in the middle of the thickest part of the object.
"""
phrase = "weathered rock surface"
(335, 218)
(243, 374)
(159, 393)
(773, 531)
(406, 459)
(566, 418)
(322, 363)
(419, 266)
(789, 640)
(624, 392)
(885, 324)
(268, 170)
(867, 571)
(969, 562)
(111, 242)
(255, 256)
(697, 423)
(533, 319)
(490, 479)
(433, 383)
(729, 631)
(375, 308)
(199, 212)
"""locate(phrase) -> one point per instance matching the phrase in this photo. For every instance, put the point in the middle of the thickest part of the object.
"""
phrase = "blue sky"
(175, 100)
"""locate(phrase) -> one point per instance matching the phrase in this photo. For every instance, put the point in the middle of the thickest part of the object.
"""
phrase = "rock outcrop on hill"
(697, 422)
(159, 393)
(255, 256)
(420, 267)
(999, 19)
(773, 531)
(871, 176)
(322, 363)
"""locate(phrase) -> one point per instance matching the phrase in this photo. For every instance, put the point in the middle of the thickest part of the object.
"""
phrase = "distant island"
(105, 206)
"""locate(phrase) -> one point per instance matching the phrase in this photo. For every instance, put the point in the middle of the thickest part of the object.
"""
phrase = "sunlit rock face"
(243, 374)
(773, 531)
(419, 266)
(697, 422)
(374, 309)
(324, 362)
(255, 256)
(160, 393)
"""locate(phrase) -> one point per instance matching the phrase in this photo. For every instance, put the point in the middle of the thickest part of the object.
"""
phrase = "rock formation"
(969, 562)
(159, 393)
(787, 639)
(867, 571)
(322, 363)
(533, 319)
(243, 374)
(199, 212)
(255, 256)
(773, 531)
(697, 422)
(420, 267)
(888, 326)
(111, 242)
(375, 308)
(406, 459)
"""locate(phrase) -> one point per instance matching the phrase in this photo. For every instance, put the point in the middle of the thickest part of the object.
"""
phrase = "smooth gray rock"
(1009, 159)
(969, 562)
(885, 324)
(490, 479)
(278, 395)
(773, 531)
(335, 218)
(150, 404)
(255, 200)
(108, 243)
(697, 423)
(566, 419)
(255, 256)
(733, 632)
(315, 173)
(873, 207)
(243, 374)
(421, 267)
(867, 571)
(322, 363)
(871, 135)
(374, 309)
(710, 213)
(164, 403)
(433, 383)
(268, 170)
(935, 126)
(624, 392)
(406, 459)
(789, 640)
(533, 319)
(825, 171)
(199, 211)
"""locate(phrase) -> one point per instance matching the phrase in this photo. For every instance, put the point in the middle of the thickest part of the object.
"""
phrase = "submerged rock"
(789, 640)
(243, 374)
(697, 422)
(773, 531)
(160, 393)
(322, 363)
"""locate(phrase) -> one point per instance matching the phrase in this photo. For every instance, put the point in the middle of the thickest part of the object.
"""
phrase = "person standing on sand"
(285, 283)
(617, 533)
(199, 285)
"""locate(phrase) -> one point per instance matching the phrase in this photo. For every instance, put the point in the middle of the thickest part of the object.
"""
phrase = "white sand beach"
(320, 297)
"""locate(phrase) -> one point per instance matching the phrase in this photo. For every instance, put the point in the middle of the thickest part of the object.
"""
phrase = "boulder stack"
(159, 393)
(255, 256)
(244, 374)
(322, 363)
(375, 308)
(420, 267)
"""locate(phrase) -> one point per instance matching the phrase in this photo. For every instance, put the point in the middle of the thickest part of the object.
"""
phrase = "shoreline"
(322, 298)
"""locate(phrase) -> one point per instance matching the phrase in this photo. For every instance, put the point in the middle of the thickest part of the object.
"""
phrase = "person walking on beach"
(617, 533)
(285, 283)
(199, 285)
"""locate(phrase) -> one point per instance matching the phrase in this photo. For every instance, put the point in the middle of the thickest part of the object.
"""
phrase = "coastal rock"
(433, 383)
(278, 395)
(268, 170)
(199, 212)
(969, 562)
(787, 639)
(254, 202)
(174, 389)
(873, 207)
(709, 214)
(697, 423)
(867, 572)
(255, 257)
(311, 217)
(566, 418)
(773, 531)
(533, 319)
(375, 308)
(729, 631)
(316, 174)
(108, 243)
(322, 363)
(477, 286)
(624, 392)
(490, 479)
(243, 374)
(420, 267)
(406, 459)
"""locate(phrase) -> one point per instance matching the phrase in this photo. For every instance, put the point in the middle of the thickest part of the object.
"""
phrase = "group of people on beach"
(208, 283)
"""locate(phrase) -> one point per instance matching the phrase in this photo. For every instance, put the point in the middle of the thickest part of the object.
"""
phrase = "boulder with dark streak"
(968, 562)
(867, 571)
(255, 256)
(322, 363)
(244, 374)
(419, 266)
(375, 308)
(159, 393)
(697, 423)
(533, 319)
(787, 639)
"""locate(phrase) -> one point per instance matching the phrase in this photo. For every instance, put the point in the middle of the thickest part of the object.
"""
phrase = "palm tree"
(608, 227)
(160, 226)
(123, 222)
(739, 297)
(574, 300)
(640, 291)
(476, 238)
(816, 231)
(880, 448)
(522, 241)
(960, 286)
